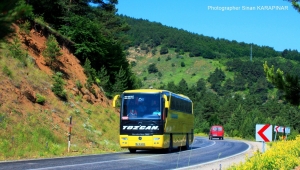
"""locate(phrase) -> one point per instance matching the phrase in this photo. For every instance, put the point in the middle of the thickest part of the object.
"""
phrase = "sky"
(273, 23)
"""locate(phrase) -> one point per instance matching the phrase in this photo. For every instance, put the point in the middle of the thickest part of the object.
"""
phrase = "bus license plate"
(139, 144)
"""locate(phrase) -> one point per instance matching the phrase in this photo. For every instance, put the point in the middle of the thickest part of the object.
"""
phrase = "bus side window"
(166, 112)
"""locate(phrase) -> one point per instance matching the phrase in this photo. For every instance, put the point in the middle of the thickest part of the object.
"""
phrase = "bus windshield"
(141, 106)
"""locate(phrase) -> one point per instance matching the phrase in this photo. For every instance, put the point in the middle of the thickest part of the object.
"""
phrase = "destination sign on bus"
(140, 128)
(128, 97)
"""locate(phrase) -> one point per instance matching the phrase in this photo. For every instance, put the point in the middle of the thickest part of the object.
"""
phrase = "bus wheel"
(187, 143)
(132, 150)
(171, 144)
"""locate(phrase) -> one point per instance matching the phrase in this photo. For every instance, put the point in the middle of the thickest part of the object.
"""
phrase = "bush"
(182, 64)
(280, 155)
(168, 58)
(78, 84)
(52, 50)
(25, 27)
(58, 86)
(164, 50)
(7, 71)
(154, 51)
(17, 52)
(159, 74)
(144, 46)
(152, 68)
(40, 98)
(133, 63)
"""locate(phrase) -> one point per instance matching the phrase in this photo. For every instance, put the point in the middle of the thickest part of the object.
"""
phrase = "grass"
(26, 137)
(195, 68)
(38, 135)
(171, 70)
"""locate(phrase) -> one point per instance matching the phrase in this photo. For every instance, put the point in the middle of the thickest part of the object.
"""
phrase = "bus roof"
(145, 91)
(156, 91)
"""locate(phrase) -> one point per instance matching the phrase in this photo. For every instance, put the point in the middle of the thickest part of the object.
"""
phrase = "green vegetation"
(10, 12)
(7, 71)
(16, 51)
(229, 91)
(37, 133)
(172, 70)
(280, 155)
(90, 33)
(58, 86)
(40, 98)
(225, 86)
(156, 35)
(52, 50)
(288, 83)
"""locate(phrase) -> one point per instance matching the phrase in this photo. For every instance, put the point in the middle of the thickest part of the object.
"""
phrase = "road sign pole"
(263, 147)
(275, 136)
(283, 136)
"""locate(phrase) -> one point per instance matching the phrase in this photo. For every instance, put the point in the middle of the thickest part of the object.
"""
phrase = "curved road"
(201, 152)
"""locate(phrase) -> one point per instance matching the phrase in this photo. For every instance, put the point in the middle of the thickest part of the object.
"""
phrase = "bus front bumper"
(142, 142)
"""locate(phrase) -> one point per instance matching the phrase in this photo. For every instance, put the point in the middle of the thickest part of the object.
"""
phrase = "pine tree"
(52, 50)
(183, 87)
(120, 81)
(102, 79)
(295, 4)
(58, 86)
(287, 83)
(10, 11)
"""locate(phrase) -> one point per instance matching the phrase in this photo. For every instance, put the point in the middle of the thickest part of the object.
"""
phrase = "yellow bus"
(155, 119)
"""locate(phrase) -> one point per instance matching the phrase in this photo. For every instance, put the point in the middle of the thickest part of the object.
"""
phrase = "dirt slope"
(18, 93)
(34, 43)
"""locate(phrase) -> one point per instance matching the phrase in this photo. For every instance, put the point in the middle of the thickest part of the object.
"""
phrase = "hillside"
(31, 129)
(171, 67)
(227, 86)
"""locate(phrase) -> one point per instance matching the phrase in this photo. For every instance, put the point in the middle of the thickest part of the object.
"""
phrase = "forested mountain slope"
(227, 84)
(150, 35)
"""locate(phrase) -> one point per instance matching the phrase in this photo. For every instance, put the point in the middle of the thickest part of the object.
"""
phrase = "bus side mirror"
(115, 100)
(166, 102)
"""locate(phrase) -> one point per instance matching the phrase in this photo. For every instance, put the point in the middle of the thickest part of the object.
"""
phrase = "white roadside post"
(70, 130)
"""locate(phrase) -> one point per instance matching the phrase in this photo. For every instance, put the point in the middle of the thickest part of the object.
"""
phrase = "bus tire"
(170, 144)
(187, 143)
(132, 150)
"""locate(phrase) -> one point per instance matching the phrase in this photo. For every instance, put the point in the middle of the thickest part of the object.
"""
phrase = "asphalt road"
(202, 151)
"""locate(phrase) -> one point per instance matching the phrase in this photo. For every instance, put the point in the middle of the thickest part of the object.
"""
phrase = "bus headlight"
(156, 138)
(124, 138)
